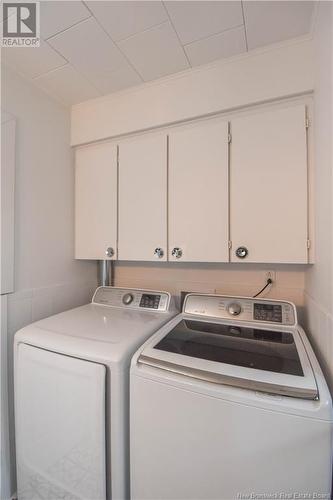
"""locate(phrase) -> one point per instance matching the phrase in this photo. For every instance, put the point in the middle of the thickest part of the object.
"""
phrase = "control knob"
(127, 298)
(234, 309)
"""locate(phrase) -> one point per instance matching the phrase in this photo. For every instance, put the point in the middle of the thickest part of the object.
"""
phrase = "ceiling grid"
(94, 48)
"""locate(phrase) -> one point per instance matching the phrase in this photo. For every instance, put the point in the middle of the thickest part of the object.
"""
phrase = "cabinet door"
(96, 202)
(143, 198)
(268, 198)
(198, 192)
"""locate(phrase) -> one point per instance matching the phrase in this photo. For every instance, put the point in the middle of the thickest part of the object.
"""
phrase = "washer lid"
(269, 360)
(105, 333)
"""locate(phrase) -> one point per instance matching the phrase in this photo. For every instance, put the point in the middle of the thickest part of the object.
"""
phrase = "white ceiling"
(93, 48)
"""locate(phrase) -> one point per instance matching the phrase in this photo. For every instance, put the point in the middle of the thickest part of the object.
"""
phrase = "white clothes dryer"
(72, 395)
(228, 401)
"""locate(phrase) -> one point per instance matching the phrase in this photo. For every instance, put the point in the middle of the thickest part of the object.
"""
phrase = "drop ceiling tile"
(56, 16)
(200, 19)
(90, 50)
(270, 21)
(112, 81)
(67, 85)
(225, 44)
(123, 19)
(155, 52)
(32, 62)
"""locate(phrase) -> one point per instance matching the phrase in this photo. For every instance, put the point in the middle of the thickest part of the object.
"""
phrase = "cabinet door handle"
(109, 252)
(159, 252)
(177, 252)
(242, 252)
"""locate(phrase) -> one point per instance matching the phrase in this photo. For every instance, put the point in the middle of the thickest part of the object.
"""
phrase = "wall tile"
(319, 327)
(329, 354)
(323, 334)
(19, 313)
(42, 303)
(27, 306)
(67, 296)
(22, 294)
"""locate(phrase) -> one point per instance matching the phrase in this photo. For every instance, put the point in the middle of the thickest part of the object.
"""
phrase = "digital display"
(149, 300)
(268, 312)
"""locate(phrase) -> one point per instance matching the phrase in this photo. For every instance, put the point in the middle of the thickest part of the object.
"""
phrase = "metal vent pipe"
(106, 273)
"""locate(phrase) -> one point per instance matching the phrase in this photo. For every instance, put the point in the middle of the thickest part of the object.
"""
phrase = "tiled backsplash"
(319, 326)
(27, 306)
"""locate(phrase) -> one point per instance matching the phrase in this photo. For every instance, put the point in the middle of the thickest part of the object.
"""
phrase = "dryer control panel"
(241, 309)
(132, 298)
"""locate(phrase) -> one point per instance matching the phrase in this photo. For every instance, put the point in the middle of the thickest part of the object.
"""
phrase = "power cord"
(268, 282)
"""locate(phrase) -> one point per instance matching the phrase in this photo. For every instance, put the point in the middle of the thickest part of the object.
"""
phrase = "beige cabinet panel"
(198, 192)
(96, 201)
(143, 198)
(268, 186)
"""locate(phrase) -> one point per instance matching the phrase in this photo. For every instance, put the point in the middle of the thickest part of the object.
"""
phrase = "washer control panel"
(132, 298)
(241, 309)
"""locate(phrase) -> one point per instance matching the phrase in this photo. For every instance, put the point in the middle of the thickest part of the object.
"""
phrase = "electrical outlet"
(270, 275)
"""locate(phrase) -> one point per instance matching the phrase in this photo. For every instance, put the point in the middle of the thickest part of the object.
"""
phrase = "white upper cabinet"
(188, 194)
(269, 186)
(143, 198)
(198, 192)
(96, 202)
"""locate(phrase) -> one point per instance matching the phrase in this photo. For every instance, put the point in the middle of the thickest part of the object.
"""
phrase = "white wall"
(259, 76)
(47, 278)
(319, 278)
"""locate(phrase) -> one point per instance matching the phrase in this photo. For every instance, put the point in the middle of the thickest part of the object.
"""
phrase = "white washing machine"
(228, 401)
(71, 395)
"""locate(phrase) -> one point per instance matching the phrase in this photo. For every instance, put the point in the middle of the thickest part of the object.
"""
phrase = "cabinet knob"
(109, 252)
(242, 252)
(177, 252)
(158, 252)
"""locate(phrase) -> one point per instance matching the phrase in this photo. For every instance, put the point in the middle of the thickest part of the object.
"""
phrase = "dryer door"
(60, 426)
